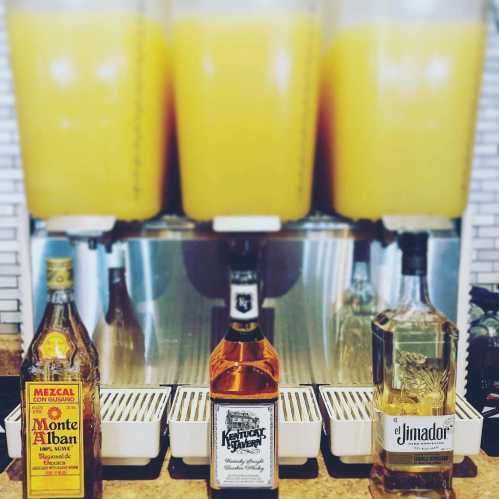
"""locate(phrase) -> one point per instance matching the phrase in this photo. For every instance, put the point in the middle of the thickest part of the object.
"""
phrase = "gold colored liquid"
(414, 352)
(81, 366)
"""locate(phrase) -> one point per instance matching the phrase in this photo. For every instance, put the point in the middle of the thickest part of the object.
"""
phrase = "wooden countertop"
(484, 486)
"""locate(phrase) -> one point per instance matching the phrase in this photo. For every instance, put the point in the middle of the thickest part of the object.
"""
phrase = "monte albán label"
(54, 434)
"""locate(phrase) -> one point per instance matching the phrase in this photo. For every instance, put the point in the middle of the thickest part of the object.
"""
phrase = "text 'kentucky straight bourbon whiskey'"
(61, 427)
(414, 369)
(244, 391)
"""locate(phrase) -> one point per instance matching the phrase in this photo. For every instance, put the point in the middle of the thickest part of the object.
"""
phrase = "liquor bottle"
(482, 389)
(118, 336)
(244, 391)
(414, 373)
(352, 318)
(61, 427)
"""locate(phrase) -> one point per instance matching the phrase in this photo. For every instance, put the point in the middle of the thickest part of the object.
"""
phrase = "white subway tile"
(10, 270)
(477, 266)
(481, 220)
(11, 317)
(485, 173)
(482, 150)
(488, 278)
(9, 150)
(8, 282)
(8, 258)
(486, 208)
(13, 294)
(484, 256)
(483, 243)
(491, 185)
(12, 245)
(488, 232)
(6, 210)
(9, 306)
(16, 197)
(10, 174)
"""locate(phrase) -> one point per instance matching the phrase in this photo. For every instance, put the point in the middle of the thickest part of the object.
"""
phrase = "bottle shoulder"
(415, 319)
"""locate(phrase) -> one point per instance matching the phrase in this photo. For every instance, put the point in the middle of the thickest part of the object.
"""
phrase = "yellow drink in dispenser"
(246, 90)
(92, 92)
(398, 114)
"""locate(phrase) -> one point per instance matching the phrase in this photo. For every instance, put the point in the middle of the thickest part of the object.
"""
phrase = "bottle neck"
(243, 300)
(361, 272)
(414, 290)
(118, 293)
(60, 296)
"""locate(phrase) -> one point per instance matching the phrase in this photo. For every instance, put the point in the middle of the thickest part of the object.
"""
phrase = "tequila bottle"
(414, 364)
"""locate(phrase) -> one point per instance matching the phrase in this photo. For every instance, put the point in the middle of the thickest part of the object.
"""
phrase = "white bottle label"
(243, 445)
(418, 434)
(244, 301)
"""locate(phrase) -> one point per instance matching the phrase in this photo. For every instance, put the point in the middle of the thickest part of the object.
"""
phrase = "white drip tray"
(300, 425)
(133, 421)
(349, 424)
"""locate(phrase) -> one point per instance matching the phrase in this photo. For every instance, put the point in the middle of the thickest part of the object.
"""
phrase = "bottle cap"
(361, 250)
(243, 255)
(414, 246)
(59, 273)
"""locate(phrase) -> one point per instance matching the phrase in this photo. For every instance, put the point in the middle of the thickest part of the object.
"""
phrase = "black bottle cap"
(361, 250)
(414, 246)
(243, 255)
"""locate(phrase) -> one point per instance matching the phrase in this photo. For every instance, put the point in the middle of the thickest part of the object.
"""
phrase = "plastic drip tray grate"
(300, 425)
(133, 421)
(349, 424)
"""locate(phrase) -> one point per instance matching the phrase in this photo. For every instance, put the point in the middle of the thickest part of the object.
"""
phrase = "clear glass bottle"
(61, 425)
(414, 373)
(119, 337)
(351, 326)
(244, 392)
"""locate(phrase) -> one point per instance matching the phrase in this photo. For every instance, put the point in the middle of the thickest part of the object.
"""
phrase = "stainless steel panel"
(178, 280)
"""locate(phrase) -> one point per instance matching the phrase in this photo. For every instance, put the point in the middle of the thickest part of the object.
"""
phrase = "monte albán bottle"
(414, 370)
(244, 391)
(61, 428)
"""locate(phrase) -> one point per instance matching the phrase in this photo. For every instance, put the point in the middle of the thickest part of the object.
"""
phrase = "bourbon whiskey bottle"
(61, 428)
(244, 391)
(414, 370)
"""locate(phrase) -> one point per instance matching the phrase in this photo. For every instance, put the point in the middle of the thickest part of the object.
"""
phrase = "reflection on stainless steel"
(177, 278)
(351, 322)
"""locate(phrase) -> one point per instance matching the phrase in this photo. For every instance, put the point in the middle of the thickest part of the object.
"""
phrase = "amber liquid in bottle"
(118, 337)
(61, 426)
(244, 391)
(414, 364)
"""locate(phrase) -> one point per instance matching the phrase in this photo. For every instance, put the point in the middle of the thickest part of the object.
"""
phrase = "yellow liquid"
(246, 102)
(398, 114)
(92, 100)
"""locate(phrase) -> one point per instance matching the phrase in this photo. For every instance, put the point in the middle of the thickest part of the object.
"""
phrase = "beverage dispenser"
(261, 107)
(400, 84)
(95, 127)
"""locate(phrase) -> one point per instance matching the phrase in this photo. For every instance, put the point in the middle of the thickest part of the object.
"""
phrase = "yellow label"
(54, 439)
(55, 345)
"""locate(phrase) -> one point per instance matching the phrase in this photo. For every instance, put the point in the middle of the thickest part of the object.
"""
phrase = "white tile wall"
(484, 188)
(11, 195)
(484, 196)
